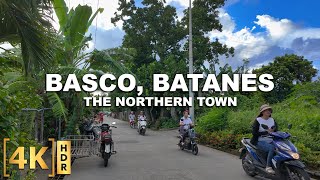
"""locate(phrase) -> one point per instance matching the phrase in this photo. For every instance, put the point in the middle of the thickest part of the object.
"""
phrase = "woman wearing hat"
(259, 133)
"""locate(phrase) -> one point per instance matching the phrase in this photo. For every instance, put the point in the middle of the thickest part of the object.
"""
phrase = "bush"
(223, 128)
(225, 140)
(165, 123)
(310, 157)
(240, 122)
(215, 120)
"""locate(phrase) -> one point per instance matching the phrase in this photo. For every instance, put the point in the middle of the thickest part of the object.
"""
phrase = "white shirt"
(186, 122)
(131, 117)
(142, 117)
(269, 123)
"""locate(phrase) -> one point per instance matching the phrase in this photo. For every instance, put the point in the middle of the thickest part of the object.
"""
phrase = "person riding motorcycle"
(188, 114)
(141, 116)
(260, 139)
(131, 117)
(185, 123)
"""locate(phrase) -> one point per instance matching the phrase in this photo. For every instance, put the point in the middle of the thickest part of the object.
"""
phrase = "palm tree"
(26, 23)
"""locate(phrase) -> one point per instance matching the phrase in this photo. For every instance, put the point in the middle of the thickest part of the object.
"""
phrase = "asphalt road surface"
(156, 156)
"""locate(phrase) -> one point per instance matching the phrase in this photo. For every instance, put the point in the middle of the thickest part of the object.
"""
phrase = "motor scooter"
(89, 128)
(142, 128)
(132, 124)
(286, 162)
(107, 144)
(189, 141)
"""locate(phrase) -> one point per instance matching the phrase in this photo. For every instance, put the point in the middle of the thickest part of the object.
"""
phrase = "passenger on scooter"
(131, 117)
(259, 138)
(185, 122)
(141, 116)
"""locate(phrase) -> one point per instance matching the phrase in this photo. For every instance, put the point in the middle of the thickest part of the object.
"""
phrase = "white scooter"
(142, 126)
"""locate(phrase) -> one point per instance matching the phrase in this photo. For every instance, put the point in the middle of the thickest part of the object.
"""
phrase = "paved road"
(157, 157)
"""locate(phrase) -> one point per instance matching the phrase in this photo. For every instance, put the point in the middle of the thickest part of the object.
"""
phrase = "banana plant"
(73, 27)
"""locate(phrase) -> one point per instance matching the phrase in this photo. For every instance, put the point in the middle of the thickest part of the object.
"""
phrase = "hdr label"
(62, 157)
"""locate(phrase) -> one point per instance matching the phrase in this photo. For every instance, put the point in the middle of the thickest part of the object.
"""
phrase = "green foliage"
(166, 123)
(301, 109)
(25, 22)
(286, 71)
(215, 120)
(205, 49)
(58, 106)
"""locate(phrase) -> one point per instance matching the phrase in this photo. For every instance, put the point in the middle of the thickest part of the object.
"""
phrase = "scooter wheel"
(247, 167)
(181, 146)
(195, 150)
(105, 159)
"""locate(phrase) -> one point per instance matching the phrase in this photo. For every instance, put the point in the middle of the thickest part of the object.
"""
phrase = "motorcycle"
(132, 124)
(189, 142)
(143, 126)
(90, 129)
(286, 161)
(107, 144)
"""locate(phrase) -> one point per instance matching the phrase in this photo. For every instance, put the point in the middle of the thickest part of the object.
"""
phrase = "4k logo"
(63, 157)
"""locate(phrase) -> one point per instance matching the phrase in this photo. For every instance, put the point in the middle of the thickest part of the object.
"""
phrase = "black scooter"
(88, 128)
(189, 142)
(107, 144)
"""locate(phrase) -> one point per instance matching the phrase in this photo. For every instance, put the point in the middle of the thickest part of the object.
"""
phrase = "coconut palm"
(26, 23)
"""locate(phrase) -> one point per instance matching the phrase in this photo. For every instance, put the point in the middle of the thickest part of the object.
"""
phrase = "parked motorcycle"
(189, 142)
(286, 161)
(90, 129)
(143, 126)
(107, 145)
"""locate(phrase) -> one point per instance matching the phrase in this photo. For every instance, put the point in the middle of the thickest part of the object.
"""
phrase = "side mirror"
(113, 123)
(289, 126)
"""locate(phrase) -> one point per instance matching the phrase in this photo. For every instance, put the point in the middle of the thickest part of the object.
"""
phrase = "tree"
(158, 36)
(204, 20)
(287, 71)
(153, 30)
(26, 23)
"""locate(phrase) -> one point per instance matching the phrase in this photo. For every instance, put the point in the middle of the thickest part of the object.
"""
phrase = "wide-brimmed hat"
(265, 107)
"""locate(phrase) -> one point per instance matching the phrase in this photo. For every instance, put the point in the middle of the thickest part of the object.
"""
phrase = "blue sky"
(258, 29)
(303, 13)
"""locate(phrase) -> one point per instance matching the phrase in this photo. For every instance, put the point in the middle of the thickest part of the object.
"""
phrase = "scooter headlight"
(294, 155)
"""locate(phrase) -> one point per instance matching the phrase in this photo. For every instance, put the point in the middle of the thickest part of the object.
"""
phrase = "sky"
(258, 29)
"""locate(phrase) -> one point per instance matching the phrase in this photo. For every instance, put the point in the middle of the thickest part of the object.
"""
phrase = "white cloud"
(276, 29)
(280, 36)
(244, 41)
(183, 3)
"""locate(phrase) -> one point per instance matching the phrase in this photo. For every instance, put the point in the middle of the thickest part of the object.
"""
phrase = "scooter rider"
(141, 116)
(185, 122)
(259, 134)
(131, 117)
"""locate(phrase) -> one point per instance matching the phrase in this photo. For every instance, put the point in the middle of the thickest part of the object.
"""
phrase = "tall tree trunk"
(147, 113)
(151, 114)
(162, 111)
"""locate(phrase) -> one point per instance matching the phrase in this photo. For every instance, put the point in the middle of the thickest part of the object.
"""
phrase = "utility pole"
(191, 109)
